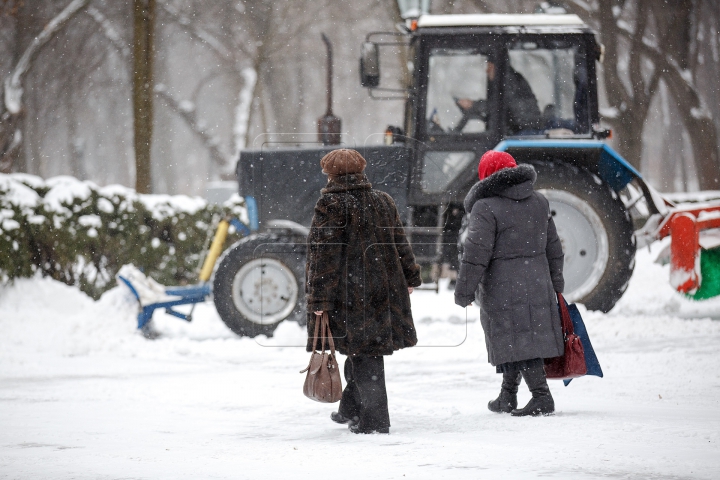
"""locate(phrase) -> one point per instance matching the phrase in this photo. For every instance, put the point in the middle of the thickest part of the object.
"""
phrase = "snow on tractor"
(524, 84)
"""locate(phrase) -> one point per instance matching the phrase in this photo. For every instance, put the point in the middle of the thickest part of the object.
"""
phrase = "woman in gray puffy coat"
(513, 259)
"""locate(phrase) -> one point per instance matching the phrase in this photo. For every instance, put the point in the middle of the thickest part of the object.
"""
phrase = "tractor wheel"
(259, 283)
(595, 230)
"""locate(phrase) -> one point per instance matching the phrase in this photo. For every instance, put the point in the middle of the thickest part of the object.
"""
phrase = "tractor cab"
(516, 82)
(479, 79)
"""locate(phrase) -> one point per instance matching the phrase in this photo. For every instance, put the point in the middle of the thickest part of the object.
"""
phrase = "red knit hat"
(493, 161)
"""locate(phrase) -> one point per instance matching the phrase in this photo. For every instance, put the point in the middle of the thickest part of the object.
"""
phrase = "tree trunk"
(705, 151)
(241, 128)
(144, 19)
(11, 158)
(630, 128)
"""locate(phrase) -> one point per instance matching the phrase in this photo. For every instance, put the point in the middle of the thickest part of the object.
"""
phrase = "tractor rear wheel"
(259, 283)
(595, 230)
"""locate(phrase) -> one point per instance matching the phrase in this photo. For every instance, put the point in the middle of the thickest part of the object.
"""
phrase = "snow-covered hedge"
(81, 234)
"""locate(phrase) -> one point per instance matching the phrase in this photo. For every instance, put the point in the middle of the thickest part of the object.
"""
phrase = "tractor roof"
(499, 20)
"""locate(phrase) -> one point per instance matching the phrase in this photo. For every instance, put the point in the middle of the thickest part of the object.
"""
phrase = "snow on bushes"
(81, 234)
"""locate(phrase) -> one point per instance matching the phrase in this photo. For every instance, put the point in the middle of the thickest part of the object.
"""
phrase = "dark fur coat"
(514, 260)
(359, 267)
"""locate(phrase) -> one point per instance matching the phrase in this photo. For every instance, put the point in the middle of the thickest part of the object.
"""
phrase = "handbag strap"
(315, 335)
(323, 329)
(315, 339)
(567, 325)
(318, 321)
(322, 322)
(328, 333)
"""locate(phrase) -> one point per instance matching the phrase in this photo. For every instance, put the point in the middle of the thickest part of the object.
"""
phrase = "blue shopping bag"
(591, 360)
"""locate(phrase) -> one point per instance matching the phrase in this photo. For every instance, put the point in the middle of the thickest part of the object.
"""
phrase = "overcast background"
(231, 74)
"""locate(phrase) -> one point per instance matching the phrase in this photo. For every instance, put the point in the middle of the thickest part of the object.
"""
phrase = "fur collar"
(344, 183)
(499, 181)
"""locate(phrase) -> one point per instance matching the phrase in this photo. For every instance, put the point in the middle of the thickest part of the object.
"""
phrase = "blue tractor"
(525, 84)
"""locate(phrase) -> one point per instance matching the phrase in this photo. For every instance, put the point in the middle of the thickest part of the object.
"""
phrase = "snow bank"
(81, 390)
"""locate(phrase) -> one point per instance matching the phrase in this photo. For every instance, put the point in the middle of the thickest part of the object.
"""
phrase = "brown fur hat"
(342, 161)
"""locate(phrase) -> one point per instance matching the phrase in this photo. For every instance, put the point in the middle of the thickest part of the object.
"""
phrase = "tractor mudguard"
(595, 156)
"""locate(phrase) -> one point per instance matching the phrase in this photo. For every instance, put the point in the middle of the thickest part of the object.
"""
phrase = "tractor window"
(457, 91)
(543, 91)
(441, 168)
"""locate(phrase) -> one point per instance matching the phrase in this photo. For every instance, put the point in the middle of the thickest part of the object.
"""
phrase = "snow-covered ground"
(83, 396)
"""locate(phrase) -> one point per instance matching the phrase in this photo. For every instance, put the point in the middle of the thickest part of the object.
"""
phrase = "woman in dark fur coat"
(361, 270)
(513, 259)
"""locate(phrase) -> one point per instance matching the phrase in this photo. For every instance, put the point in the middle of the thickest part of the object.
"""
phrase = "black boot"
(507, 401)
(356, 429)
(541, 402)
(338, 417)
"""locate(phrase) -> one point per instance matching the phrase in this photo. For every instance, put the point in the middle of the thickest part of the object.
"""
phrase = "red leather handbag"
(572, 363)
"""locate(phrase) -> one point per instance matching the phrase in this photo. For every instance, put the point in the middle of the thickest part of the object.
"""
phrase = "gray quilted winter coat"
(513, 258)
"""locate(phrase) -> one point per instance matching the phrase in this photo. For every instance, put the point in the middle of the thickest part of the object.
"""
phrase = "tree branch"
(581, 5)
(682, 78)
(109, 31)
(186, 110)
(13, 82)
(200, 33)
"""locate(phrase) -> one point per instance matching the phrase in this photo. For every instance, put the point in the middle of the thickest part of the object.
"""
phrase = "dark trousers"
(365, 397)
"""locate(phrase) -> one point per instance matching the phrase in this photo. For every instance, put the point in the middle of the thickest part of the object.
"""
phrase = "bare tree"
(143, 51)
(11, 133)
(628, 86)
(245, 39)
(677, 52)
(230, 70)
(647, 41)
(188, 112)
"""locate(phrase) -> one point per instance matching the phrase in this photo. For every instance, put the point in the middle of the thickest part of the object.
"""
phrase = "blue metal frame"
(188, 295)
(612, 167)
(240, 227)
(191, 294)
(252, 211)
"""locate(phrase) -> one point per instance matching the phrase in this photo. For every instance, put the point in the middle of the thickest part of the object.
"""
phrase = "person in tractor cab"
(513, 258)
(361, 271)
(522, 113)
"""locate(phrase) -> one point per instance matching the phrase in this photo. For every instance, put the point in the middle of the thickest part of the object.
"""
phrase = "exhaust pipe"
(329, 125)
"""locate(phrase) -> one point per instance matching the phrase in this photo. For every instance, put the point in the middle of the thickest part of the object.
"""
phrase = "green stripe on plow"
(710, 271)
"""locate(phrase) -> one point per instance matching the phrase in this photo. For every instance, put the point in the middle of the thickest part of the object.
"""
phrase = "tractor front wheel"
(259, 283)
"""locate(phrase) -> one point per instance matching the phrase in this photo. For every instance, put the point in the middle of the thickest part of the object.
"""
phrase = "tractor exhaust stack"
(329, 125)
